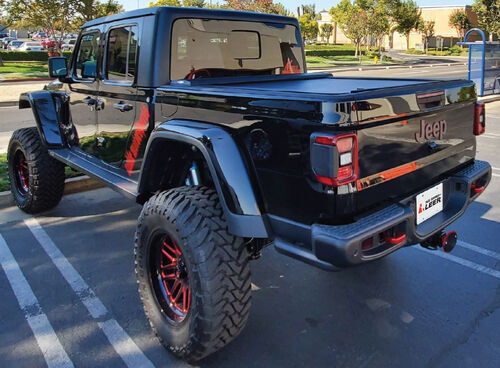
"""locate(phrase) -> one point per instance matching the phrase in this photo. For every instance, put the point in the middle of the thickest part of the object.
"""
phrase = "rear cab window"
(204, 48)
(121, 54)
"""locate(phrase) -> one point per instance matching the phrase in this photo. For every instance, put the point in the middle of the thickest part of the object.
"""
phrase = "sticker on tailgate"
(429, 203)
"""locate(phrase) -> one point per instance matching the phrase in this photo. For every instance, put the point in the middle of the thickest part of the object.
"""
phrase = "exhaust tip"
(448, 241)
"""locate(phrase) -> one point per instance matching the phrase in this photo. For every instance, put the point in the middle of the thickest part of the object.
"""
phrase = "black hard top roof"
(179, 12)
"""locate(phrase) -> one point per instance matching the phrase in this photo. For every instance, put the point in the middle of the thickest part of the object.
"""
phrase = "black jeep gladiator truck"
(208, 119)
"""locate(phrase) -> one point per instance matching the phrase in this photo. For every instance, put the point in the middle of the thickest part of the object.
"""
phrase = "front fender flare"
(45, 106)
(227, 168)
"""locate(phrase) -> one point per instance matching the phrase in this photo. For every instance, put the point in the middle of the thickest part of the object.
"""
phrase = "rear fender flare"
(226, 166)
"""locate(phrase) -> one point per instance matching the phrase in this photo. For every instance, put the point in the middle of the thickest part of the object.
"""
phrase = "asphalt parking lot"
(68, 294)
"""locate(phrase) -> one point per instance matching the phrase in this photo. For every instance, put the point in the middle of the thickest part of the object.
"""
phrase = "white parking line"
(87, 296)
(480, 250)
(463, 262)
(124, 346)
(496, 175)
(47, 340)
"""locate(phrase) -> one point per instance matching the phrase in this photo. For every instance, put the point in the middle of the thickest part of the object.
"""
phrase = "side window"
(86, 60)
(121, 58)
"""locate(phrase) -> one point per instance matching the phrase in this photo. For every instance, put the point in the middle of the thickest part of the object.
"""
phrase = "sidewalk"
(12, 90)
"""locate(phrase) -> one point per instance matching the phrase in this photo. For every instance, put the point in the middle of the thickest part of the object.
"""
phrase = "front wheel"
(36, 179)
(193, 276)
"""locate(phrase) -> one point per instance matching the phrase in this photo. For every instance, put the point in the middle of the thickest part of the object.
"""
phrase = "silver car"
(69, 44)
(13, 45)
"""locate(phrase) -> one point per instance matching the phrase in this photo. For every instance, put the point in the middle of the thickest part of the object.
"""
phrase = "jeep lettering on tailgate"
(430, 131)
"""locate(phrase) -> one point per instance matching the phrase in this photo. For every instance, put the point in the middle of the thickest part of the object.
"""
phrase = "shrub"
(28, 55)
(329, 50)
(414, 52)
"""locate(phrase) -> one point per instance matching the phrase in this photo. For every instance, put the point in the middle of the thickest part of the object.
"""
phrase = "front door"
(118, 92)
(84, 89)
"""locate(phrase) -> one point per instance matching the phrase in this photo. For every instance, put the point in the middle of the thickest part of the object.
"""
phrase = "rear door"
(118, 90)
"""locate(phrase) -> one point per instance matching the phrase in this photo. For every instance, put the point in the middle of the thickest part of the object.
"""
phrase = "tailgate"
(408, 142)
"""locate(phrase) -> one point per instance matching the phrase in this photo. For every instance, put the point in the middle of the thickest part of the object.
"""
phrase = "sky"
(292, 5)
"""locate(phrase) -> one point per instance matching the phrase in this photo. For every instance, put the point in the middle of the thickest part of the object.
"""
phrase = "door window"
(86, 61)
(121, 56)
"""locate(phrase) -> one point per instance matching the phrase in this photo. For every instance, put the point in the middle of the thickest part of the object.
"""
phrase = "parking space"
(69, 295)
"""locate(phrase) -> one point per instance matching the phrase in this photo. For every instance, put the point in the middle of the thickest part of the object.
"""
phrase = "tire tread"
(221, 260)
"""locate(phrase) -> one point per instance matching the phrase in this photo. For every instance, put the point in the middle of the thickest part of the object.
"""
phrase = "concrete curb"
(488, 99)
(25, 80)
(8, 103)
(381, 67)
(71, 186)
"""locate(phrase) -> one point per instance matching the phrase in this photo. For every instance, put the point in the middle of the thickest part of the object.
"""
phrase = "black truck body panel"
(255, 135)
(226, 166)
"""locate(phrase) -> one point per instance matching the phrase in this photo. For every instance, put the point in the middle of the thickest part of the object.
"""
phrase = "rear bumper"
(328, 246)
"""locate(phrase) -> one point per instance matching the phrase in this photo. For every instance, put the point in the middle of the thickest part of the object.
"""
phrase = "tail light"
(334, 158)
(479, 118)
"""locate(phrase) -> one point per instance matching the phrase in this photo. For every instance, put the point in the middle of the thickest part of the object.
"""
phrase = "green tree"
(283, 11)
(407, 16)
(309, 9)
(49, 15)
(261, 6)
(460, 21)
(3, 21)
(378, 25)
(308, 27)
(352, 20)
(389, 7)
(194, 3)
(427, 30)
(86, 10)
(488, 15)
(164, 3)
(326, 31)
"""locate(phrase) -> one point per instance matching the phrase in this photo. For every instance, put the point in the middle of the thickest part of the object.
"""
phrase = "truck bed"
(318, 84)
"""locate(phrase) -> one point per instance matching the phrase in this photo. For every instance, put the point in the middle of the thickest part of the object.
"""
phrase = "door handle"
(89, 101)
(123, 107)
(99, 105)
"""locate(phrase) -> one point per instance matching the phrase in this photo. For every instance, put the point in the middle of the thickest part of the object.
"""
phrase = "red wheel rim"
(22, 172)
(172, 279)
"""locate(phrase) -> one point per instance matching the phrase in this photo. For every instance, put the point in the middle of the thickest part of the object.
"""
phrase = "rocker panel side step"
(117, 182)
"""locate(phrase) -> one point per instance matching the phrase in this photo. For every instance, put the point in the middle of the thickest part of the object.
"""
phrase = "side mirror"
(89, 69)
(58, 67)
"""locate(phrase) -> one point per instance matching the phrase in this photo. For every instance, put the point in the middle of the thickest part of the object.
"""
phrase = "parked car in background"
(3, 35)
(39, 35)
(30, 46)
(5, 42)
(14, 45)
(68, 45)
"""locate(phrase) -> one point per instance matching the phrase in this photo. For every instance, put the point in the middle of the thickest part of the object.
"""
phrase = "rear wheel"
(193, 276)
(36, 179)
